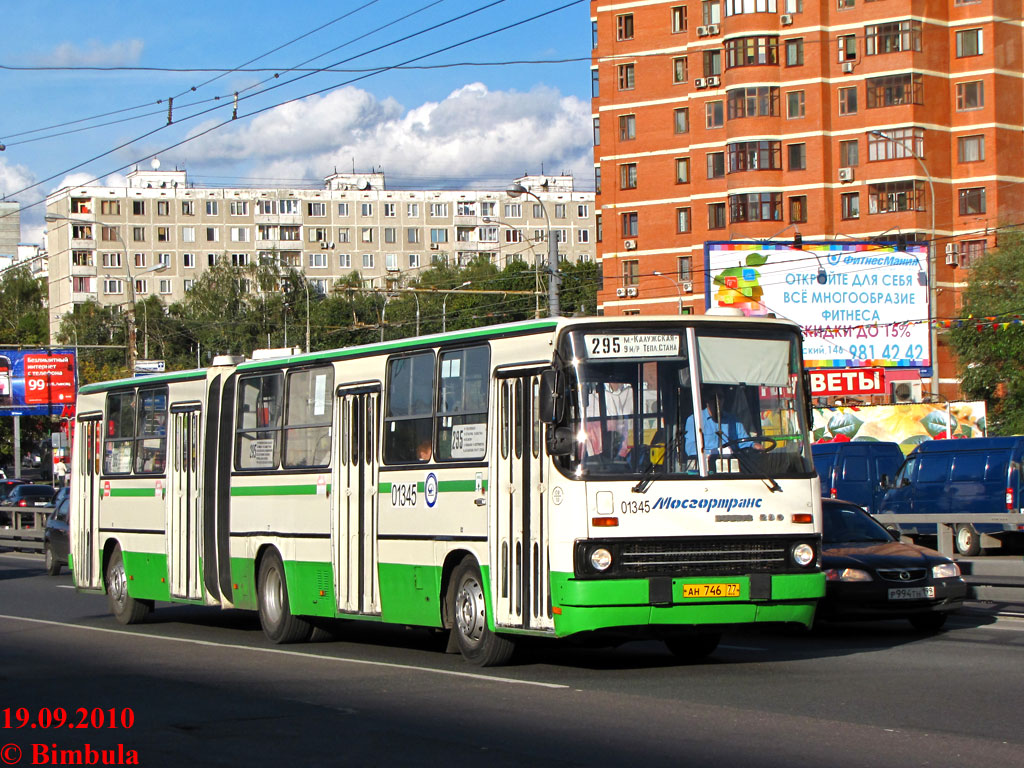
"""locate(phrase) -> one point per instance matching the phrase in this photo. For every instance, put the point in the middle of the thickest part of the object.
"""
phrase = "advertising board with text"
(871, 311)
(37, 382)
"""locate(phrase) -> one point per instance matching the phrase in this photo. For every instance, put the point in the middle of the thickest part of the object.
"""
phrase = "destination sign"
(604, 345)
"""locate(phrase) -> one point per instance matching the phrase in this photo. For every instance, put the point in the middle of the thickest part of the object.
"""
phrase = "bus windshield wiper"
(646, 478)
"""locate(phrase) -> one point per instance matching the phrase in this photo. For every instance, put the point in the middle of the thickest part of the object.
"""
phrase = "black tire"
(476, 642)
(52, 563)
(928, 622)
(966, 541)
(693, 648)
(279, 625)
(126, 609)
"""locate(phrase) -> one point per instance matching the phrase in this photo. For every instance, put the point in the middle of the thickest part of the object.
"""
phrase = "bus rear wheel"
(276, 619)
(126, 609)
(476, 642)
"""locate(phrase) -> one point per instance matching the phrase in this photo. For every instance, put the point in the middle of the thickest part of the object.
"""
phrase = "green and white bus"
(534, 478)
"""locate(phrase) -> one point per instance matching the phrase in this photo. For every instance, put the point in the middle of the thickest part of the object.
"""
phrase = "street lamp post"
(444, 304)
(417, 309)
(679, 293)
(305, 284)
(933, 294)
(515, 190)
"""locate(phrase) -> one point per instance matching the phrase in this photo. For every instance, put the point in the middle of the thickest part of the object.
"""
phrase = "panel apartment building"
(157, 235)
(761, 119)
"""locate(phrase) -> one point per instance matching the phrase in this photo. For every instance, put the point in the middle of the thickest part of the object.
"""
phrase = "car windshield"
(632, 399)
(35, 490)
(844, 524)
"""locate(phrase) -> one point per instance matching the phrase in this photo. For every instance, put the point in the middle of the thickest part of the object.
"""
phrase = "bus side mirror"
(559, 441)
(552, 396)
(808, 400)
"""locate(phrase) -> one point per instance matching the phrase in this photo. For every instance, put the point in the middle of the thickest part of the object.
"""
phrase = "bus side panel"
(210, 451)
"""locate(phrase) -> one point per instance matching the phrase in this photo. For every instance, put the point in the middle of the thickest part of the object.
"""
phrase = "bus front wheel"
(126, 609)
(691, 648)
(279, 625)
(475, 640)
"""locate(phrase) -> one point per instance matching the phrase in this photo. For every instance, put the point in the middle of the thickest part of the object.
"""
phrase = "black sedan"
(55, 538)
(872, 575)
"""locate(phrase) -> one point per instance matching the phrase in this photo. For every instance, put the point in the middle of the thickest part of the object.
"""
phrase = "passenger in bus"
(719, 426)
(613, 437)
(423, 451)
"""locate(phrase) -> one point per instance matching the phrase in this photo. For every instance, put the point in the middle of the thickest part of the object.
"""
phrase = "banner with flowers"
(908, 424)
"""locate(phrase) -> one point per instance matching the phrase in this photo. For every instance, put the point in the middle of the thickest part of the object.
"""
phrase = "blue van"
(857, 471)
(977, 475)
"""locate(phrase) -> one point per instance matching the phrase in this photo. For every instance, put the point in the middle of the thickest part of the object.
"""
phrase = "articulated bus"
(541, 478)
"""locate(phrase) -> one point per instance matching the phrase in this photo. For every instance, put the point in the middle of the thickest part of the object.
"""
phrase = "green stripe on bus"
(134, 492)
(450, 486)
(304, 489)
(158, 378)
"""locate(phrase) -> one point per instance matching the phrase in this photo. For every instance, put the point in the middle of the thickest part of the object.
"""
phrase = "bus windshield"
(633, 399)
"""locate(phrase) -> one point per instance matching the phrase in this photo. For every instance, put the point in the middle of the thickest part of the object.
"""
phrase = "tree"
(988, 353)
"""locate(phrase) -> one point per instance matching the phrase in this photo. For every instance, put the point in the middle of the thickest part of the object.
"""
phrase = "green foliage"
(989, 361)
(23, 321)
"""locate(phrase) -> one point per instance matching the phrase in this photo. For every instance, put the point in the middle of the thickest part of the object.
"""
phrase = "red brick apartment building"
(754, 119)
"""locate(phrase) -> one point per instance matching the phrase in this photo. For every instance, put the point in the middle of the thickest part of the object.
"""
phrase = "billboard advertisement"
(860, 304)
(37, 382)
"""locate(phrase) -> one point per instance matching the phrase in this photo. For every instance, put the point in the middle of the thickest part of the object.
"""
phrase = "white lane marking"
(68, 586)
(300, 654)
(741, 648)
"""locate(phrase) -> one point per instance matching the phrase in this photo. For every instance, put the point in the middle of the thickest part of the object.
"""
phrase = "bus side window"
(120, 433)
(307, 433)
(258, 422)
(409, 409)
(462, 404)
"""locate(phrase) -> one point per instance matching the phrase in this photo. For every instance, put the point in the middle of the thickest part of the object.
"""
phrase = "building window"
(630, 224)
(597, 131)
(626, 76)
(630, 272)
(344, 235)
(390, 235)
(582, 236)
(513, 236)
(751, 51)
(582, 211)
(895, 196)
(343, 209)
(847, 47)
(849, 153)
(109, 234)
(367, 261)
(716, 215)
(716, 165)
(188, 260)
(238, 208)
(757, 206)
(848, 100)
(678, 19)
(316, 209)
(366, 234)
(140, 260)
(439, 210)
(683, 268)
(681, 120)
(627, 127)
(752, 102)
(111, 260)
(538, 211)
(139, 234)
(755, 156)
(595, 84)
(163, 208)
(212, 209)
(970, 149)
(414, 261)
(165, 285)
(624, 26)
(439, 235)
(710, 12)
(680, 70)
(683, 220)
(266, 207)
(188, 207)
(138, 207)
(366, 210)
(715, 114)
(739, 7)
(318, 260)
(599, 228)
(110, 207)
(627, 176)
(239, 259)
(112, 286)
(971, 251)
(188, 234)
(186, 285)
(513, 210)
(597, 179)
(239, 234)
(292, 232)
(712, 63)
(412, 235)
(850, 205)
(797, 157)
(559, 210)
(462, 208)
(969, 43)
(794, 104)
(288, 207)
(682, 170)
(972, 201)
(894, 90)
(798, 209)
(795, 52)
(82, 258)
(163, 234)
(345, 261)
(970, 95)
(892, 37)
(896, 144)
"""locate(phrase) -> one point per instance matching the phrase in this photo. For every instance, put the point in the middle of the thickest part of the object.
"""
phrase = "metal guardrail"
(947, 523)
(22, 527)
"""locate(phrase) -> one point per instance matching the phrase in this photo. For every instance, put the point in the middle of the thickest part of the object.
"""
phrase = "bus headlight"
(600, 559)
(803, 555)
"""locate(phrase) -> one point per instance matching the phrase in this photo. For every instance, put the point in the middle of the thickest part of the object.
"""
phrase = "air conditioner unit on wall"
(687, 286)
(906, 391)
(848, 67)
(953, 259)
(786, 19)
(702, 31)
(712, 29)
(630, 245)
(951, 248)
(620, 292)
(846, 175)
(631, 291)
(713, 81)
(700, 82)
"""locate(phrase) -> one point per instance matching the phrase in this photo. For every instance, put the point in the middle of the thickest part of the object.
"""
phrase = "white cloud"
(93, 53)
(473, 135)
(14, 177)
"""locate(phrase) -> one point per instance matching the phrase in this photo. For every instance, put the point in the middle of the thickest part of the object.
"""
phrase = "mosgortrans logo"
(672, 502)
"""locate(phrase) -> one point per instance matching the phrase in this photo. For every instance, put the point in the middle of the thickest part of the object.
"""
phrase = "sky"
(438, 94)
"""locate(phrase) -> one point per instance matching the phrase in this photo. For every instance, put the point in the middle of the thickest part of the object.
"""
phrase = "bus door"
(184, 507)
(519, 553)
(86, 544)
(354, 505)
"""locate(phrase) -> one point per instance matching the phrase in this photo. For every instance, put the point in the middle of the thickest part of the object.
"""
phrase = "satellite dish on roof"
(362, 184)
(154, 164)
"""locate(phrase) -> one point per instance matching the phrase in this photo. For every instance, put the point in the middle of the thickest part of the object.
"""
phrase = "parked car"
(6, 486)
(56, 542)
(28, 495)
(857, 471)
(974, 476)
(870, 574)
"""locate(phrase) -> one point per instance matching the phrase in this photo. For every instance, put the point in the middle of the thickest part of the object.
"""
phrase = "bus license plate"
(912, 593)
(711, 590)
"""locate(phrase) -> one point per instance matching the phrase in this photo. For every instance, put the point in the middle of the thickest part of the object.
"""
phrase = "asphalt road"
(205, 689)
